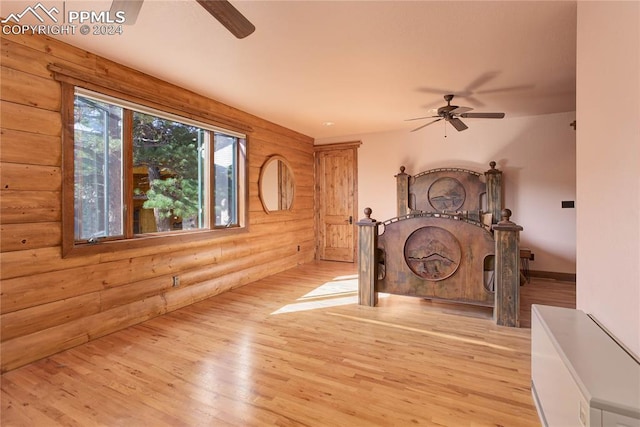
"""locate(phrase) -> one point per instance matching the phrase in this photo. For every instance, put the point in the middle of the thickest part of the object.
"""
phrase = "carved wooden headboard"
(451, 190)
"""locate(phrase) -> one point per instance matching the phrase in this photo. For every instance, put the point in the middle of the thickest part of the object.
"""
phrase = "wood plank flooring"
(294, 349)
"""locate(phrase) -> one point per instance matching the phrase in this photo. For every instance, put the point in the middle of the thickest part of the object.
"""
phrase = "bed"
(442, 245)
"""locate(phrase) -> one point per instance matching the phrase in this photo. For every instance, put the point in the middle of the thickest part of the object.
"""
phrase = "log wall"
(50, 303)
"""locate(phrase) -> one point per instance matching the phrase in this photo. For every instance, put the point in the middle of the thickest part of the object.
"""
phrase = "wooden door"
(336, 198)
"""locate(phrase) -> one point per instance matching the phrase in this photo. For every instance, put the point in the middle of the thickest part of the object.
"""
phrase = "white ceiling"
(364, 65)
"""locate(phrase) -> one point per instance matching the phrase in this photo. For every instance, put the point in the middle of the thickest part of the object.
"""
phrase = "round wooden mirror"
(276, 184)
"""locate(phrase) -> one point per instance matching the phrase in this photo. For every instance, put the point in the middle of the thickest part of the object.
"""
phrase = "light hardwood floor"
(294, 349)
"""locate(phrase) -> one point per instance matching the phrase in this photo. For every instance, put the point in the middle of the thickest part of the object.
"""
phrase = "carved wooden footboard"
(436, 256)
(445, 243)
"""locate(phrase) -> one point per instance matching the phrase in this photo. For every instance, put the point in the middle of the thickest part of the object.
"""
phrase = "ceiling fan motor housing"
(445, 112)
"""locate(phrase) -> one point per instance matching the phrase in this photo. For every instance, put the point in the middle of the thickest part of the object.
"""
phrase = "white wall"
(608, 166)
(536, 154)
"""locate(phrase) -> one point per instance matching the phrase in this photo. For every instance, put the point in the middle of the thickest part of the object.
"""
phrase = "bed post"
(507, 271)
(367, 262)
(402, 192)
(494, 191)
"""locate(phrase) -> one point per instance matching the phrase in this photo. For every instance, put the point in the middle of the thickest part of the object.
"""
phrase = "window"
(169, 175)
(140, 172)
(98, 195)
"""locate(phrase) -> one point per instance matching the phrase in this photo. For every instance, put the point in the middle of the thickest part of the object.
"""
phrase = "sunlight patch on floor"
(342, 290)
(313, 305)
(424, 331)
(339, 285)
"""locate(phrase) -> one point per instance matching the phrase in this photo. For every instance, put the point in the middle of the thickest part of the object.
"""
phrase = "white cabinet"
(579, 375)
(617, 420)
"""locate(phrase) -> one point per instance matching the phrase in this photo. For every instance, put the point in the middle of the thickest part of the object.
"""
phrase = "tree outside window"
(182, 176)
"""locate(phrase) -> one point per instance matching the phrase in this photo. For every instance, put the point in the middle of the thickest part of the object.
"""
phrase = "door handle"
(350, 219)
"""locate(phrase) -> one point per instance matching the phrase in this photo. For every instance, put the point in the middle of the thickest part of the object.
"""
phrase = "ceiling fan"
(451, 114)
(222, 10)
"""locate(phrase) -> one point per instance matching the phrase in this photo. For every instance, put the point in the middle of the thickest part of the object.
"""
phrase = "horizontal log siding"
(49, 303)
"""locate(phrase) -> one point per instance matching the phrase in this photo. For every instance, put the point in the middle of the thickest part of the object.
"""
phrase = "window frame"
(70, 85)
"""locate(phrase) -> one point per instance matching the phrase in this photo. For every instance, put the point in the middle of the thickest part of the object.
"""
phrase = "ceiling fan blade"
(460, 110)
(421, 118)
(131, 9)
(229, 16)
(473, 101)
(507, 89)
(481, 80)
(457, 123)
(418, 128)
(482, 115)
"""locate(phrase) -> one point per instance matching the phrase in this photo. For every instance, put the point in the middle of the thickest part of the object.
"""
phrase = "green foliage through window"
(174, 163)
(98, 169)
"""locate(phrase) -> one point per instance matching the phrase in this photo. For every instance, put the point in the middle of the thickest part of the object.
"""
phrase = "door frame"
(353, 145)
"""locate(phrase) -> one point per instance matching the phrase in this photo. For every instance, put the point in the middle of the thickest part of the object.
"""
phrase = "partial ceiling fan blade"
(131, 9)
(481, 80)
(418, 128)
(482, 115)
(229, 16)
(506, 89)
(474, 101)
(421, 118)
(458, 124)
(460, 110)
(434, 90)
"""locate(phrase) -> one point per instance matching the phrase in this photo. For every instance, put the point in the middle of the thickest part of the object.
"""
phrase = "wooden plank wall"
(50, 303)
